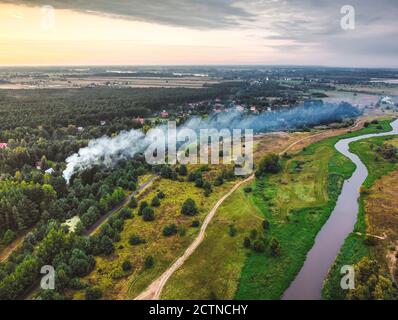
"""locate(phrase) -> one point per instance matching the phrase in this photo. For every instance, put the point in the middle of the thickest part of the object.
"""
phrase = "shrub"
(170, 230)
(195, 224)
(133, 203)
(258, 246)
(148, 214)
(161, 195)
(9, 237)
(149, 262)
(232, 230)
(93, 293)
(275, 248)
(155, 202)
(253, 234)
(124, 214)
(247, 243)
(127, 266)
(183, 170)
(248, 189)
(265, 224)
(269, 164)
(135, 240)
(142, 207)
(189, 208)
(106, 245)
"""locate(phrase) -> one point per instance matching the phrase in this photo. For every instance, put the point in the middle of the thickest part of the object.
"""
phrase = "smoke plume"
(107, 151)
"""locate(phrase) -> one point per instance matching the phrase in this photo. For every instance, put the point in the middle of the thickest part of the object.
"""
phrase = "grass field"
(374, 214)
(213, 271)
(108, 274)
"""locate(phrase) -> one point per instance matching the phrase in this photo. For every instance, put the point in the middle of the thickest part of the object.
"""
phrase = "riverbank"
(358, 245)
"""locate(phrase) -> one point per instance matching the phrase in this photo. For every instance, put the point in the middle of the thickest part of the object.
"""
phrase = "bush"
(199, 182)
(148, 214)
(149, 262)
(269, 164)
(93, 293)
(195, 224)
(258, 246)
(124, 214)
(161, 195)
(232, 230)
(183, 171)
(142, 207)
(135, 240)
(126, 266)
(106, 245)
(275, 248)
(9, 237)
(247, 243)
(219, 181)
(170, 230)
(265, 224)
(248, 189)
(155, 202)
(189, 208)
(133, 203)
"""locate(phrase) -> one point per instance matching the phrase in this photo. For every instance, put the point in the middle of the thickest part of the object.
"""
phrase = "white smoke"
(106, 151)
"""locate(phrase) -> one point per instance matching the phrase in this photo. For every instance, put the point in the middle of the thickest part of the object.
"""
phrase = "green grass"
(354, 247)
(213, 270)
(296, 219)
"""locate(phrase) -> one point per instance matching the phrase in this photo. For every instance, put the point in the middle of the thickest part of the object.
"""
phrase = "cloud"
(311, 26)
(200, 14)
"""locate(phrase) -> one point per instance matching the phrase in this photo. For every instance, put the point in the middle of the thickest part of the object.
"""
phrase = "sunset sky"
(187, 32)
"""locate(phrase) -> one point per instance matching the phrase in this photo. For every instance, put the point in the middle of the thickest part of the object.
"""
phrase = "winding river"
(309, 282)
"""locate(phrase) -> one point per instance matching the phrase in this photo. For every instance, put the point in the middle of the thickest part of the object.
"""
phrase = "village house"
(139, 120)
(164, 114)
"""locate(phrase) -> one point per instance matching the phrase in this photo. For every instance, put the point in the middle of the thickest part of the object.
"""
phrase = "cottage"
(50, 171)
(164, 114)
(139, 120)
(240, 108)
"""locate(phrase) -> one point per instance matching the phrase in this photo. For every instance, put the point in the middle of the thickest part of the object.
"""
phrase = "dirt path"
(327, 133)
(154, 291)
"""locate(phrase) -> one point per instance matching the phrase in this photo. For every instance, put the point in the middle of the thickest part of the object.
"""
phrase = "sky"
(199, 32)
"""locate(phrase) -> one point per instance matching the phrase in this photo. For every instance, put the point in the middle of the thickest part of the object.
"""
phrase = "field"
(108, 274)
(376, 216)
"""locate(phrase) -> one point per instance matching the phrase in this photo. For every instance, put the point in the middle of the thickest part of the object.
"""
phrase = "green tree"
(155, 202)
(148, 214)
(189, 207)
